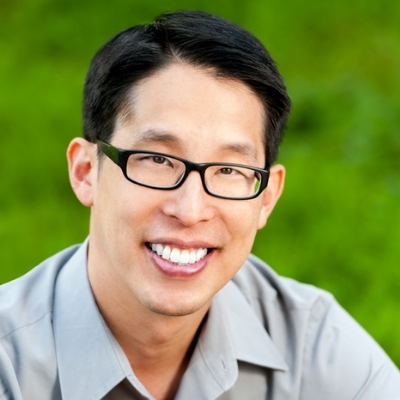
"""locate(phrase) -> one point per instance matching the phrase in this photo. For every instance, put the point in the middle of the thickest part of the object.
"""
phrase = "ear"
(82, 168)
(271, 194)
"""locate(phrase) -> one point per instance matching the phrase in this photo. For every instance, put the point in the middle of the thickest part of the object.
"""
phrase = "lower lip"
(178, 271)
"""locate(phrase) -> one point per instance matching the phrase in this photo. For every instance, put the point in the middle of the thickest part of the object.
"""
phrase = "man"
(182, 122)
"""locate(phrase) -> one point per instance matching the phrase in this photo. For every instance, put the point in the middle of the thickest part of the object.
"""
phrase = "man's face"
(186, 112)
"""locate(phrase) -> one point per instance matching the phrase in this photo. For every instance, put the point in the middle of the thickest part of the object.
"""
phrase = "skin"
(183, 111)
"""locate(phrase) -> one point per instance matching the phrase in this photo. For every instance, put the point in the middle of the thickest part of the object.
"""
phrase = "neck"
(158, 347)
(148, 338)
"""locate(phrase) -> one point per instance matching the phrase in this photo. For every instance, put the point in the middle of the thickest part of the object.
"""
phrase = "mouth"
(178, 256)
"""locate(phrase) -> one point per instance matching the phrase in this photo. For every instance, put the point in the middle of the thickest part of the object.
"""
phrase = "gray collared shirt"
(265, 337)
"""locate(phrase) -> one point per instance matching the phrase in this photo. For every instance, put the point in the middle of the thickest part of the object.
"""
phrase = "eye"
(226, 171)
(155, 161)
(159, 160)
(233, 172)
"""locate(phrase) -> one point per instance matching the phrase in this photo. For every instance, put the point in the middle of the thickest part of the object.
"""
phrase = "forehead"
(189, 109)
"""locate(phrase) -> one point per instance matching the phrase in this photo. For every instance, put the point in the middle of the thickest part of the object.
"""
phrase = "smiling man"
(182, 122)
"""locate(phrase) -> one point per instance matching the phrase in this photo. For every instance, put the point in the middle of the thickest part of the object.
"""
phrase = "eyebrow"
(160, 136)
(153, 135)
(244, 149)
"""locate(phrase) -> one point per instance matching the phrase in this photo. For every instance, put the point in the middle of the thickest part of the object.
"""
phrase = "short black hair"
(194, 37)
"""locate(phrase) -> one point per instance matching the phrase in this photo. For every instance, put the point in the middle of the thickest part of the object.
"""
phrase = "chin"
(169, 309)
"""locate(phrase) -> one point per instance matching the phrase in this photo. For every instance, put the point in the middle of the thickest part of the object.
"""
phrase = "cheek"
(118, 198)
(113, 209)
(244, 219)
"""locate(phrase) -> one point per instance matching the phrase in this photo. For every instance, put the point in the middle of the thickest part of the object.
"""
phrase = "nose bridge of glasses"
(192, 166)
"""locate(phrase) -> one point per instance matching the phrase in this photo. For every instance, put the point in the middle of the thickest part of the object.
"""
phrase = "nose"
(190, 204)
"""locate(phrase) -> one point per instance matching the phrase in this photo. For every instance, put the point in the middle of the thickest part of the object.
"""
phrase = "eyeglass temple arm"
(110, 151)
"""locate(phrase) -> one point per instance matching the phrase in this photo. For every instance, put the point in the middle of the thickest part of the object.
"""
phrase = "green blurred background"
(338, 223)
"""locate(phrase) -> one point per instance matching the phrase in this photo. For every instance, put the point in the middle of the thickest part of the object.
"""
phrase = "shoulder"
(287, 308)
(27, 348)
(29, 298)
(327, 351)
(260, 284)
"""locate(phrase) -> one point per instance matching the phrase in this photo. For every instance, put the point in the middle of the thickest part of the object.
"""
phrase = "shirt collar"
(231, 333)
(250, 340)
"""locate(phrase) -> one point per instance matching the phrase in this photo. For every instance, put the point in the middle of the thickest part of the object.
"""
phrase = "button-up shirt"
(265, 337)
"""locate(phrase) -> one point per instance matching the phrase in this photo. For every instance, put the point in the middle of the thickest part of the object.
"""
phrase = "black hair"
(194, 37)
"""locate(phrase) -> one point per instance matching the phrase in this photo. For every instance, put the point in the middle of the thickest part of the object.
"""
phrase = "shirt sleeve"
(341, 361)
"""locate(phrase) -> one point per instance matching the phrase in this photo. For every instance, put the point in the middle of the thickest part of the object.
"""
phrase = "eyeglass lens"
(163, 172)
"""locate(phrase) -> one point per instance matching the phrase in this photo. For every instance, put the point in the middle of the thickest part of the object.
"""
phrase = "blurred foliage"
(337, 225)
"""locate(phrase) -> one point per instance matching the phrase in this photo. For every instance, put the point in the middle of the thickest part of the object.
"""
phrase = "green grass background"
(338, 223)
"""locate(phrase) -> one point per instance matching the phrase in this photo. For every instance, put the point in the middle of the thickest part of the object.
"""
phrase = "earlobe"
(272, 193)
(82, 160)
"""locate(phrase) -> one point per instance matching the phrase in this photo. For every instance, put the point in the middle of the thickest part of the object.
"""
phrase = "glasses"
(165, 172)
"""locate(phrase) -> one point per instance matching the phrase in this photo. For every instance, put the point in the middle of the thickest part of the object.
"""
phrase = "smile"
(177, 256)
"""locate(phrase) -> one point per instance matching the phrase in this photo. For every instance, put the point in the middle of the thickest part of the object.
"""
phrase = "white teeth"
(192, 257)
(200, 253)
(158, 249)
(166, 252)
(177, 256)
(184, 257)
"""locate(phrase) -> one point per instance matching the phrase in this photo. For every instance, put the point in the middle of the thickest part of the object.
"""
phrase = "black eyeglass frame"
(120, 157)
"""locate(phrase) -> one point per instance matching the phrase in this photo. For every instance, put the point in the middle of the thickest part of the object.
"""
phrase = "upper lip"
(183, 244)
